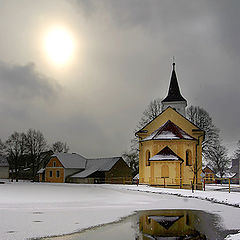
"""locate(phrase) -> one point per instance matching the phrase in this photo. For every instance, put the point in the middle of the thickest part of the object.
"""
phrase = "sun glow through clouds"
(59, 45)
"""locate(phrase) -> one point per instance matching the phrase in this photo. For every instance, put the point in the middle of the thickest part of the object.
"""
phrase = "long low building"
(74, 168)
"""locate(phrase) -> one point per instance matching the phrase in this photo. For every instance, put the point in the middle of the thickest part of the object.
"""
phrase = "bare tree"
(35, 145)
(237, 151)
(235, 162)
(219, 160)
(16, 147)
(2, 148)
(202, 119)
(60, 147)
(131, 159)
(151, 112)
(214, 153)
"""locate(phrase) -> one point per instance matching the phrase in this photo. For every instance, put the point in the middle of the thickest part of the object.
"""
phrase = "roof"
(98, 164)
(165, 221)
(226, 175)
(41, 171)
(145, 131)
(71, 160)
(104, 164)
(84, 173)
(166, 154)
(209, 167)
(136, 177)
(170, 131)
(3, 161)
(174, 94)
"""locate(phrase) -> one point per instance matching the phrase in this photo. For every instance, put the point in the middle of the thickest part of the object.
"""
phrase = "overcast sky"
(121, 61)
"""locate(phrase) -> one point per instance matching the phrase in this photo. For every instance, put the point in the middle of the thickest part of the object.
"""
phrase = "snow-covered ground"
(30, 210)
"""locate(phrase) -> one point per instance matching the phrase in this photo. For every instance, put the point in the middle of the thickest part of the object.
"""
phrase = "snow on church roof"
(168, 130)
(166, 154)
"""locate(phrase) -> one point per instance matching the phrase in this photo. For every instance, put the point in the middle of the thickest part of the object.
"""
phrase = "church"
(170, 146)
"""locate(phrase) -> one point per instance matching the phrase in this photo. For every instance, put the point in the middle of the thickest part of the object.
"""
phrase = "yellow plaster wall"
(184, 225)
(58, 167)
(148, 173)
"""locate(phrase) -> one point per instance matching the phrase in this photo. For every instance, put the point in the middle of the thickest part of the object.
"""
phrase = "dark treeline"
(28, 152)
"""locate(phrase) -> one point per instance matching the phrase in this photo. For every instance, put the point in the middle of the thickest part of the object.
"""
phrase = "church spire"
(174, 93)
(174, 98)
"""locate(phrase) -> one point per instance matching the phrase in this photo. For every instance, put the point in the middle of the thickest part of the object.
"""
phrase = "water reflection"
(177, 224)
(156, 225)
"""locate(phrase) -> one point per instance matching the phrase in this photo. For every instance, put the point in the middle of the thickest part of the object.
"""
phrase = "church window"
(147, 158)
(165, 171)
(187, 220)
(188, 158)
(148, 220)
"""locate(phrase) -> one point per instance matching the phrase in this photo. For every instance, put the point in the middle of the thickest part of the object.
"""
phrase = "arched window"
(147, 158)
(148, 220)
(187, 220)
(188, 158)
(165, 171)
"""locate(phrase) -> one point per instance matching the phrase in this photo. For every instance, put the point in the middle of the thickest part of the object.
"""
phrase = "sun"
(59, 45)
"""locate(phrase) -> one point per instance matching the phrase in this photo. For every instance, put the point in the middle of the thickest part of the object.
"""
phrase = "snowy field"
(30, 210)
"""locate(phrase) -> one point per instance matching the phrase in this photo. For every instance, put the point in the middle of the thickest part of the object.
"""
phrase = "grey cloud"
(126, 62)
(151, 15)
(202, 35)
(24, 82)
(25, 97)
(227, 15)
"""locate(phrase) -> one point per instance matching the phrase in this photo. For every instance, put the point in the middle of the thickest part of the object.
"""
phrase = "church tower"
(174, 98)
(170, 146)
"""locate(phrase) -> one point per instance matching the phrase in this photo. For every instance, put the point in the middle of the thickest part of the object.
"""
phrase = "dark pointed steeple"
(174, 94)
(174, 98)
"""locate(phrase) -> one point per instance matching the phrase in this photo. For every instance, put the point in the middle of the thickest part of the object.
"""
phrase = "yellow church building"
(170, 146)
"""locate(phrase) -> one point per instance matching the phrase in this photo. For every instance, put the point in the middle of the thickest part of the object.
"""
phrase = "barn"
(74, 168)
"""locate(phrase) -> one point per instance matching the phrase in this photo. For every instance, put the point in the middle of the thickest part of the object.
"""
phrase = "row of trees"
(214, 152)
(29, 151)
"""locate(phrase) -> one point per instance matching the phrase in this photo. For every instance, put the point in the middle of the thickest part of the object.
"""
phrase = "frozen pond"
(32, 211)
(156, 225)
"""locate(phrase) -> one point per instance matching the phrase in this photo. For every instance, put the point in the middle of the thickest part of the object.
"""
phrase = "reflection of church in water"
(170, 145)
(169, 224)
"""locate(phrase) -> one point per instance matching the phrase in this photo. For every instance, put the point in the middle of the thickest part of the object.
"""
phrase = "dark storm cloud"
(204, 37)
(228, 15)
(24, 82)
(26, 97)
(125, 62)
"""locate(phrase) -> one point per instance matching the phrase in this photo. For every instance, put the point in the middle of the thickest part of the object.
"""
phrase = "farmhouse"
(209, 174)
(170, 145)
(74, 168)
